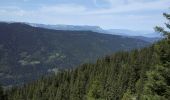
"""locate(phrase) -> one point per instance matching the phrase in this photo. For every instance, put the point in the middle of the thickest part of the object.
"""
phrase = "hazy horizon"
(136, 15)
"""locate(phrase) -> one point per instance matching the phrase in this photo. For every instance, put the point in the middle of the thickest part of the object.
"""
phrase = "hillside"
(27, 53)
(136, 75)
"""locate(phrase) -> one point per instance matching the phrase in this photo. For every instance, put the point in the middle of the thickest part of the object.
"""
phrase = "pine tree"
(157, 85)
(162, 30)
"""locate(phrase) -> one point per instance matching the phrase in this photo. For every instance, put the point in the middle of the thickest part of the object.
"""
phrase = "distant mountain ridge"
(122, 32)
(27, 53)
(126, 32)
(142, 35)
(68, 27)
(147, 36)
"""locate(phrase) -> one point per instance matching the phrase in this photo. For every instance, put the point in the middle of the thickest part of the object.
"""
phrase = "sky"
(108, 14)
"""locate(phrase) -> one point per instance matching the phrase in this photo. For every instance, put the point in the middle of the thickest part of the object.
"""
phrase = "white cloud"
(63, 8)
(50, 11)
(11, 11)
(74, 9)
(26, 0)
(135, 6)
(112, 17)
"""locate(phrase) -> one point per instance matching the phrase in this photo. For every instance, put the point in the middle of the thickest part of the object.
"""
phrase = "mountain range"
(28, 52)
(145, 35)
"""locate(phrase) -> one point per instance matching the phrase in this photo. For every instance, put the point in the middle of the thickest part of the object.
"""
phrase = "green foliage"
(121, 76)
(127, 96)
(139, 74)
(157, 84)
(95, 91)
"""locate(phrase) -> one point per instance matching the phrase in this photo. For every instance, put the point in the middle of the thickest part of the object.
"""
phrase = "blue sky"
(109, 14)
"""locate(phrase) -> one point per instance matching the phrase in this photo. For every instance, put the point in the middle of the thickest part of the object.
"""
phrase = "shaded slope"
(28, 52)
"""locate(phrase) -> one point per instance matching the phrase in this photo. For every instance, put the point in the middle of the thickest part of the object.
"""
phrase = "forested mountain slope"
(142, 74)
(138, 75)
(27, 53)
